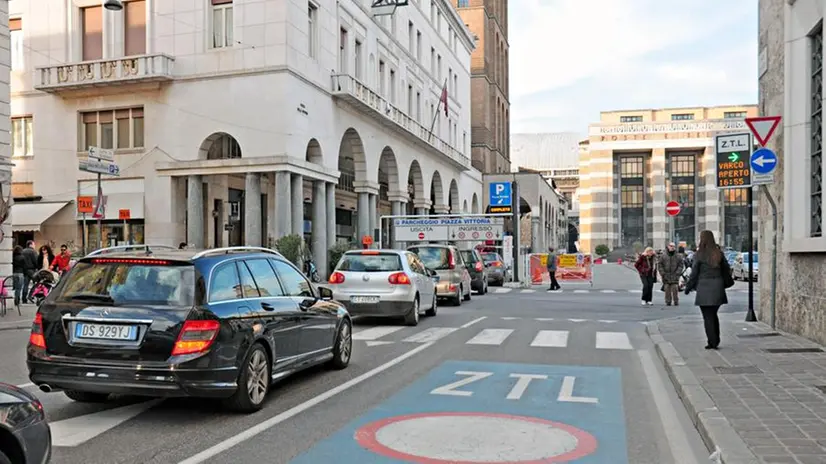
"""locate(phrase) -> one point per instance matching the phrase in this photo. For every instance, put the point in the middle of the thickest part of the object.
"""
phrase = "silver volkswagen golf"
(384, 283)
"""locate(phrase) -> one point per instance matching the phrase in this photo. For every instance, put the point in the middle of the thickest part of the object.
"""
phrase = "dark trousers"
(554, 283)
(647, 287)
(712, 324)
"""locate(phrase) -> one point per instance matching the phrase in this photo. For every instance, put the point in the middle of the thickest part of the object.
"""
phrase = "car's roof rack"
(228, 250)
(114, 249)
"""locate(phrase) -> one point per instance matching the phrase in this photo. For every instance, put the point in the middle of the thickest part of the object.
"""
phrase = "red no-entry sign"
(672, 208)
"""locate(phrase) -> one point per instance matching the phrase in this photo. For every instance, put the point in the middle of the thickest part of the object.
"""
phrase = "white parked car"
(384, 283)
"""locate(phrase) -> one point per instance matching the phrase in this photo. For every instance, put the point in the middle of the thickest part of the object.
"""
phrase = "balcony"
(372, 104)
(104, 73)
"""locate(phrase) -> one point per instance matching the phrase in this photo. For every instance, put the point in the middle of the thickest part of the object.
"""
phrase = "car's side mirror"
(325, 293)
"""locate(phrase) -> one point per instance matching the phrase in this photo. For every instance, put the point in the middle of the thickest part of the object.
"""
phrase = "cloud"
(571, 59)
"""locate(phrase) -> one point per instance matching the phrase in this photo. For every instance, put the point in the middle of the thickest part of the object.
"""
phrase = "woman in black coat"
(710, 277)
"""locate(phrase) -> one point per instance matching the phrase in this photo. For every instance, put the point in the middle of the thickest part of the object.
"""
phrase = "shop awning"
(28, 217)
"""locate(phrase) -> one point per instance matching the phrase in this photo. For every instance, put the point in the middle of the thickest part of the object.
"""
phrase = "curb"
(16, 326)
(715, 430)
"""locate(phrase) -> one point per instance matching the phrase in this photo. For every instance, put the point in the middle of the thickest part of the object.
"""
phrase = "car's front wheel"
(253, 382)
(343, 348)
(86, 397)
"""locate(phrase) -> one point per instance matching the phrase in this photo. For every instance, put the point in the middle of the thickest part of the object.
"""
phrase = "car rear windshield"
(468, 256)
(382, 262)
(125, 282)
(490, 257)
(436, 258)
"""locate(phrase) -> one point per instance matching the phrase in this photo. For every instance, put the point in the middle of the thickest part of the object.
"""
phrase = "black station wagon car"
(149, 321)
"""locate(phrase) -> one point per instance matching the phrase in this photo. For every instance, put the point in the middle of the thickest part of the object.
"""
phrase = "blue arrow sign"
(500, 194)
(763, 161)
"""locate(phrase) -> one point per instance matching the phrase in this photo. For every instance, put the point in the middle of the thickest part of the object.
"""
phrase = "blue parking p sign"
(500, 194)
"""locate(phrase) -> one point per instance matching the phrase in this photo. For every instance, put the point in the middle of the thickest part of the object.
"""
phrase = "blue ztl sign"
(500, 194)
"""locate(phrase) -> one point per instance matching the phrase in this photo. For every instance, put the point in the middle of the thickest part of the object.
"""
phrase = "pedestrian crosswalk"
(558, 334)
(503, 290)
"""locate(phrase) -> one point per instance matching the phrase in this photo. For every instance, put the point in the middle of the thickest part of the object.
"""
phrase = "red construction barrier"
(569, 267)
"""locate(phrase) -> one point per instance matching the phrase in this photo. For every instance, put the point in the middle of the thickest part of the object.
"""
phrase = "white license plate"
(364, 299)
(105, 331)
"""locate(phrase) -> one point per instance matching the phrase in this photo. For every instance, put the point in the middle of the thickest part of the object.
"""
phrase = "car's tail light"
(451, 260)
(399, 278)
(336, 278)
(145, 262)
(196, 337)
(479, 266)
(370, 252)
(496, 264)
(36, 338)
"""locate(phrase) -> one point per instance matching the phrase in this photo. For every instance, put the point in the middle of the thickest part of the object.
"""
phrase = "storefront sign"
(448, 229)
(124, 214)
(655, 128)
(85, 205)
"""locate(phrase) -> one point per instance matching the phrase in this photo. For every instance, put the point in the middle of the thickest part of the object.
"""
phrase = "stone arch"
(219, 145)
(453, 196)
(389, 170)
(474, 204)
(415, 185)
(352, 161)
(313, 153)
(437, 194)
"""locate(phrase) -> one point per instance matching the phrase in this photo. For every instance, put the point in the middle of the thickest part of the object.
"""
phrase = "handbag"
(728, 279)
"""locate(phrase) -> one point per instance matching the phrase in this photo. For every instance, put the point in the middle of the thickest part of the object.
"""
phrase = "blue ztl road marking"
(582, 406)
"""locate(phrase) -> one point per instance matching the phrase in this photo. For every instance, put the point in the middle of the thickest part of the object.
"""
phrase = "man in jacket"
(671, 267)
(29, 268)
(552, 269)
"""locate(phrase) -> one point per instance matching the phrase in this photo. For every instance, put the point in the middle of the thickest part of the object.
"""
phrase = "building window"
(439, 67)
(463, 3)
(342, 51)
(631, 167)
(21, 133)
(432, 61)
(358, 56)
(419, 46)
(91, 20)
(121, 129)
(449, 81)
(312, 33)
(410, 37)
(456, 84)
(382, 80)
(630, 118)
(682, 166)
(735, 219)
(682, 117)
(816, 179)
(734, 114)
(632, 196)
(222, 23)
(410, 100)
(393, 86)
(16, 37)
(419, 106)
(134, 28)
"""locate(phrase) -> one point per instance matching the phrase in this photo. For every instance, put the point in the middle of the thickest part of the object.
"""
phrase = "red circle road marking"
(421, 235)
(366, 436)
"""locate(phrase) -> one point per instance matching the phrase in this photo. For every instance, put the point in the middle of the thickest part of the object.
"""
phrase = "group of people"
(710, 277)
(27, 263)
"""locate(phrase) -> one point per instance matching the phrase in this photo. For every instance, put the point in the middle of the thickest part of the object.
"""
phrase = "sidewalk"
(12, 321)
(761, 398)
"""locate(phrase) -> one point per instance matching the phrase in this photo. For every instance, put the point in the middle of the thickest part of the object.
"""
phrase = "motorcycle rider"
(671, 267)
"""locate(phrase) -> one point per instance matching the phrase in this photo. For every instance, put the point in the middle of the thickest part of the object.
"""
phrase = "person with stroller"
(44, 275)
(29, 269)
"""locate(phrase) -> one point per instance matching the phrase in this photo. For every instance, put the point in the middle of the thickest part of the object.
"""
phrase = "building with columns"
(236, 122)
(636, 161)
(6, 242)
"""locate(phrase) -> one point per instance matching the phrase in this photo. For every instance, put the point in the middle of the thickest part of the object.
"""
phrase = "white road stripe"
(613, 341)
(544, 319)
(253, 431)
(490, 337)
(582, 291)
(609, 291)
(551, 339)
(80, 429)
(376, 332)
(502, 290)
(528, 291)
(607, 321)
(468, 324)
(577, 320)
(511, 318)
(430, 335)
(634, 291)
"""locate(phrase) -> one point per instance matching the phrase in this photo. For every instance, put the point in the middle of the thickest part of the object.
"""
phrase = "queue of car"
(224, 323)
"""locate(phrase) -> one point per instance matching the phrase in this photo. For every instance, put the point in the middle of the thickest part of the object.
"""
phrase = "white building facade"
(238, 121)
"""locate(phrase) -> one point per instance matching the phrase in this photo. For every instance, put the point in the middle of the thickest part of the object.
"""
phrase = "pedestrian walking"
(646, 266)
(710, 277)
(552, 269)
(671, 267)
(18, 264)
(29, 269)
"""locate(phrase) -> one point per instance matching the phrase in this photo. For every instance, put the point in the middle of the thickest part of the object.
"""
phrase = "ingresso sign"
(448, 229)
(647, 128)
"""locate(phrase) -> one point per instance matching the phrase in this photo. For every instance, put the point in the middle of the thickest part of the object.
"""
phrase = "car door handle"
(267, 306)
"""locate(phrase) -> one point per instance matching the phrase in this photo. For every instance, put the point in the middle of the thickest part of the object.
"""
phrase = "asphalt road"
(509, 376)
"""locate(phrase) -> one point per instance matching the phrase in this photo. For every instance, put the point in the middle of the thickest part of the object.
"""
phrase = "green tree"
(292, 247)
(335, 253)
(602, 250)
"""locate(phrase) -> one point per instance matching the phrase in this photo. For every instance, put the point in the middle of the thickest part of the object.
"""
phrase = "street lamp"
(113, 5)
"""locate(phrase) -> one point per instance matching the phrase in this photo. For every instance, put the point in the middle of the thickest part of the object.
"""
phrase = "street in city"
(568, 374)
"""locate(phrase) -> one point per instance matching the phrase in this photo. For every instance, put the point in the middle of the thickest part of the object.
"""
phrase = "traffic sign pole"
(750, 316)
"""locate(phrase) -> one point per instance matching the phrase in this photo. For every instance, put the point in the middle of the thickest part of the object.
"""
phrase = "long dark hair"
(708, 251)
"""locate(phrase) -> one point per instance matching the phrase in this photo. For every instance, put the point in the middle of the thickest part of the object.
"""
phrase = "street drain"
(793, 350)
(737, 370)
(759, 335)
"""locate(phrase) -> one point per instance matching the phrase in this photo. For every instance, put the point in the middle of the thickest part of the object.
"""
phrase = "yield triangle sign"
(763, 127)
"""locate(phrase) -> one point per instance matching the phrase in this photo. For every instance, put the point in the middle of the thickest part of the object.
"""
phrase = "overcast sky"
(571, 59)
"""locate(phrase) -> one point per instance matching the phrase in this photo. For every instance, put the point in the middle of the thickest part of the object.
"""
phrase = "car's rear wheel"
(343, 348)
(253, 382)
(86, 397)
(457, 300)
(4, 459)
(467, 297)
(432, 311)
(412, 318)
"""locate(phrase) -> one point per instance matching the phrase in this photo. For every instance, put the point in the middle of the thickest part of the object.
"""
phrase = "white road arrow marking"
(79, 430)
(378, 343)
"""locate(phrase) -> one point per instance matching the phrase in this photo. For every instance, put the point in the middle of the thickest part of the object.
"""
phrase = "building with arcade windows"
(239, 122)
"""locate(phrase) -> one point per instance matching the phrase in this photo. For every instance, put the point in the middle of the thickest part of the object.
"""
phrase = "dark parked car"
(478, 272)
(25, 436)
(497, 271)
(222, 323)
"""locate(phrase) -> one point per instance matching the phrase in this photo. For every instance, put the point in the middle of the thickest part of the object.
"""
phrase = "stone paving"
(14, 321)
(754, 405)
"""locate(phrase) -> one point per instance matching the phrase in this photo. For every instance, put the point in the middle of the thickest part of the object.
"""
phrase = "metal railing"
(228, 250)
(97, 72)
(147, 247)
(349, 85)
